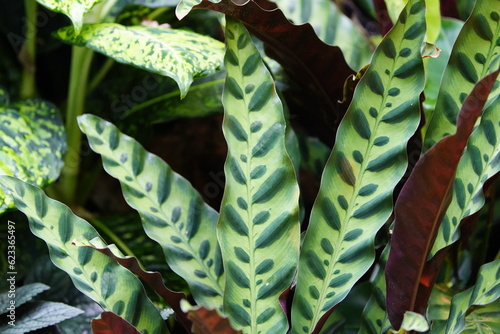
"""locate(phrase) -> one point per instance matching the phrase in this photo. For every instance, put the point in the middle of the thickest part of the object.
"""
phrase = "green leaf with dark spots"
(355, 196)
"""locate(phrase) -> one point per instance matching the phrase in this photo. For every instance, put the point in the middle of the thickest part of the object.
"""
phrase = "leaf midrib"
(164, 214)
(355, 193)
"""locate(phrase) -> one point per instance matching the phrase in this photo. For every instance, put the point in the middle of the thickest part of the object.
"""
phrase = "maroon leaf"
(155, 281)
(421, 206)
(383, 18)
(110, 323)
(209, 322)
(318, 68)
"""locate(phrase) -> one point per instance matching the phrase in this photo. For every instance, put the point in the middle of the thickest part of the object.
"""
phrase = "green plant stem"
(28, 52)
(123, 246)
(80, 65)
(96, 80)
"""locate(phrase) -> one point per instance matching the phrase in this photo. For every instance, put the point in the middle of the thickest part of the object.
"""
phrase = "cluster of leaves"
(247, 267)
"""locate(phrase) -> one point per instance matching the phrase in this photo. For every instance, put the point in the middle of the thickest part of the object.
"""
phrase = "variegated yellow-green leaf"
(485, 291)
(331, 26)
(178, 54)
(432, 16)
(172, 212)
(115, 288)
(258, 227)
(469, 62)
(74, 9)
(367, 161)
(480, 161)
(32, 140)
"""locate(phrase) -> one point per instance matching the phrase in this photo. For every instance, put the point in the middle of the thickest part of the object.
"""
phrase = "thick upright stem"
(28, 52)
(80, 64)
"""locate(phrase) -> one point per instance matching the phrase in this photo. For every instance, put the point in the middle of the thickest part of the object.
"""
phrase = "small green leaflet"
(178, 54)
(30, 131)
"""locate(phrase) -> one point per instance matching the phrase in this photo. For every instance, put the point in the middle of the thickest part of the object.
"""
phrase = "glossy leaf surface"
(209, 322)
(473, 54)
(417, 222)
(480, 161)
(30, 131)
(173, 213)
(178, 54)
(367, 161)
(102, 279)
(258, 227)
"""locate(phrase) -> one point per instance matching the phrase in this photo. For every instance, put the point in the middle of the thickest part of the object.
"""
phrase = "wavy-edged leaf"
(119, 5)
(480, 161)
(39, 315)
(173, 213)
(74, 9)
(153, 279)
(110, 323)
(314, 155)
(178, 54)
(485, 291)
(469, 62)
(102, 279)
(258, 227)
(417, 221)
(331, 26)
(296, 48)
(367, 161)
(30, 131)
(23, 294)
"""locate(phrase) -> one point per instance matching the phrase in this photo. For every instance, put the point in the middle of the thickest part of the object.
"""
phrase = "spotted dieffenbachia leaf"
(258, 227)
(367, 161)
(173, 213)
(178, 54)
(331, 26)
(102, 279)
(119, 5)
(469, 62)
(485, 291)
(32, 142)
(480, 161)
(74, 9)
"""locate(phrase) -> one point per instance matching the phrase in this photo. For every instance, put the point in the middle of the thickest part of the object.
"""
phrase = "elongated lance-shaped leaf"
(32, 142)
(367, 161)
(485, 291)
(74, 9)
(153, 278)
(115, 288)
(172, 212)
(374, 319)
(473, 54)
(258, 227)
(480, 161)
(178, 54)
(420, 208)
